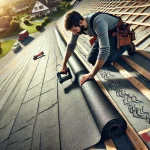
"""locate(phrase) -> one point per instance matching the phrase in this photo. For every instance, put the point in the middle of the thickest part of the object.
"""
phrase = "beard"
(82, 29)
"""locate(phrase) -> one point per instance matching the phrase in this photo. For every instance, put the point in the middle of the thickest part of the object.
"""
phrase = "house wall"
(50, 5)
(38, 14)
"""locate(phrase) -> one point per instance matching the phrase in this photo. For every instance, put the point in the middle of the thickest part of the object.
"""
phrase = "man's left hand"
(86, 77)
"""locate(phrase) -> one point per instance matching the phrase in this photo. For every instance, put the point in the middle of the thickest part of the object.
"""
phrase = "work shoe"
(131, 49)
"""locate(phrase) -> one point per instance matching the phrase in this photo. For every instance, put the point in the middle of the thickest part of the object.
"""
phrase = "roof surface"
(37, 112)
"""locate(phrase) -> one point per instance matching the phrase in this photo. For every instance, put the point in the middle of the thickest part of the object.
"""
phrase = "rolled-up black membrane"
(110, 123)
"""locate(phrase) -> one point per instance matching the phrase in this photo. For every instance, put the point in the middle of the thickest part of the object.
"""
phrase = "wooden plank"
(138, 68)
(129, 13)
(144, 131)
(146, 46)
(138, 16)
(143, 89)
(109, 144)
(143, 53)
(146, 17)
(134, 6)
(122, 6)
(138, 42)
(139, 23)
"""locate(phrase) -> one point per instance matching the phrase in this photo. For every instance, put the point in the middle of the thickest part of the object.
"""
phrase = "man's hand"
(98, 65)
(86, 77)
(63, 69)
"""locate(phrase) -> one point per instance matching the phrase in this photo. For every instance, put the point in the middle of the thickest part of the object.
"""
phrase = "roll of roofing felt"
(110, 123)
(108, 120)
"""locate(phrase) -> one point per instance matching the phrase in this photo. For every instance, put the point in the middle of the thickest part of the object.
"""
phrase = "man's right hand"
(63, 69)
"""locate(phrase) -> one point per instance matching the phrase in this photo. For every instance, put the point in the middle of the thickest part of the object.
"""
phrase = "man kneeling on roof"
(112, 37)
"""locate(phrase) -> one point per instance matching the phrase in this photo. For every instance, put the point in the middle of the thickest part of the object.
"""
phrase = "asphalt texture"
(37, 112)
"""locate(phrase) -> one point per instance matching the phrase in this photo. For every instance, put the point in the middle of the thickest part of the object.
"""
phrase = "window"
(41, 7)
(35, 8)
(54, 9)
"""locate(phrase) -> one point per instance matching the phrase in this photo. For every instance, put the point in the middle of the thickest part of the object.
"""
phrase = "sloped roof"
(39, 7)
(37, 112)
(50, 3)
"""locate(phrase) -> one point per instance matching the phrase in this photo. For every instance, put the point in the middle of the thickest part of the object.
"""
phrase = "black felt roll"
(109, 122)
(114, 128)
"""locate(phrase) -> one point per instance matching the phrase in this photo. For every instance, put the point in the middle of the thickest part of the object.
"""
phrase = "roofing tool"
(64, 78)
(38, 55)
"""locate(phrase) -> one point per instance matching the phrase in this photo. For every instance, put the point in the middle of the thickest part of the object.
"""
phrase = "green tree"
(46, 19)
(63, 6)
(15, 18)
(14, 24)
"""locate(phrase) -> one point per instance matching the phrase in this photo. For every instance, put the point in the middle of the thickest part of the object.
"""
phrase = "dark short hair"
(72, 18)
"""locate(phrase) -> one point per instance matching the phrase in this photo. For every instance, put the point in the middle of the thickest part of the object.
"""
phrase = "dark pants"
(114, 52)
